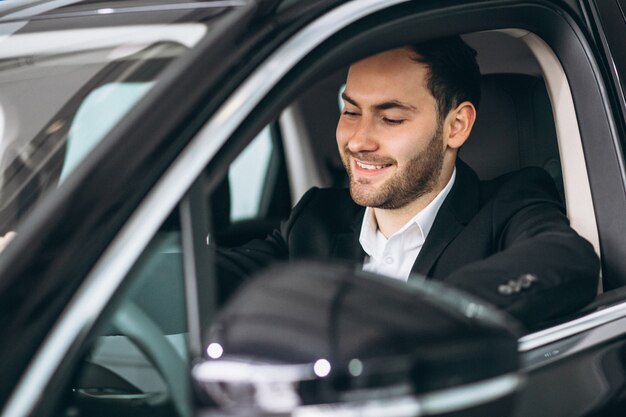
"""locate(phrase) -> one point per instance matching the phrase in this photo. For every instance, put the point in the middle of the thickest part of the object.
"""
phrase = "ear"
(460, 122)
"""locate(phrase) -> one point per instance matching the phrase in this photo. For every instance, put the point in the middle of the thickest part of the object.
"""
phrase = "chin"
(364, 198)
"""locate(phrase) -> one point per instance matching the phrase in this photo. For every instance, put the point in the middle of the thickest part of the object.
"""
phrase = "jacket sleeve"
(235, 265)
(541, 268)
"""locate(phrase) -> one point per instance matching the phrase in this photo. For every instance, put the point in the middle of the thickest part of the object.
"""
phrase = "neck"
(391, 220)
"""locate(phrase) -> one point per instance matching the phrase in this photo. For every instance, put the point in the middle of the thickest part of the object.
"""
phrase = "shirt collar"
(423, 219)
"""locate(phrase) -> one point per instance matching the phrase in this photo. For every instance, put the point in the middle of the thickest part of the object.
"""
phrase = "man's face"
(389, 135)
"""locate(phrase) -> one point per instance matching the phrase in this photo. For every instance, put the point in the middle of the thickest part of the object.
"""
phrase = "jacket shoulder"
(525, 183)
(332, 206)
(320, 216)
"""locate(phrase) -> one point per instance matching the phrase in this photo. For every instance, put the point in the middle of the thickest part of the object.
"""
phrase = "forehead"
(391, 74)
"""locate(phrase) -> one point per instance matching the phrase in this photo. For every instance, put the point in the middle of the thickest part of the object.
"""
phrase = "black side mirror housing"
(334, 335)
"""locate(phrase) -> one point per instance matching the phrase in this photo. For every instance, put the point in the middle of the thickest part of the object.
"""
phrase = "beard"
(419, 177)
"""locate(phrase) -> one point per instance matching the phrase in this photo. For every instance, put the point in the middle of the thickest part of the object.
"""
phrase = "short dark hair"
(454, 76)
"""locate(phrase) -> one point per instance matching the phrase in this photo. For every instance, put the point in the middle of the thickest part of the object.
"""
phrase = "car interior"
(518, 125)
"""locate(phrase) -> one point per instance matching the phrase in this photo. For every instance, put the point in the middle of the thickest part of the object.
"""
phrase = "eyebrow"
(386, 105)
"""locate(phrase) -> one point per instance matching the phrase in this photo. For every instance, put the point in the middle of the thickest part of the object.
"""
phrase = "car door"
(230, 121)
(65, 232)
(567, 349)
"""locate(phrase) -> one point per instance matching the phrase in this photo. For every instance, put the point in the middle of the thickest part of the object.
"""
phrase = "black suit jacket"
(507, 241)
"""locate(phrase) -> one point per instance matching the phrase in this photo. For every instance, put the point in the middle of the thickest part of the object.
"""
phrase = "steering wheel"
(133, 323)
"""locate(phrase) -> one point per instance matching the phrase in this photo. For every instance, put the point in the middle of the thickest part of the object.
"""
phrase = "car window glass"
(137, 363)
(255, 195)
(92, 77)
(247, 176)
(97, 114)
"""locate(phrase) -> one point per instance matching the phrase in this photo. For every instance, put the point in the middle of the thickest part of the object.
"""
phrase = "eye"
(393, 122)
(350, 113)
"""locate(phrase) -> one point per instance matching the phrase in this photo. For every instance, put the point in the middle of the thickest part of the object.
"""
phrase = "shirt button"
(388, 260)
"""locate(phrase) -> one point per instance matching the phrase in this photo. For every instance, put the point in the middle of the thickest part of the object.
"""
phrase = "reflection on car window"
(91, 79)
(102, 108)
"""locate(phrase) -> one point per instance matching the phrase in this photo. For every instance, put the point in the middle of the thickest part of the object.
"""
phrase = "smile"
(370, 167)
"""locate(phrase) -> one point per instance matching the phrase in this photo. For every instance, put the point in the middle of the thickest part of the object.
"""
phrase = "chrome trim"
(471, 395)
(238, 371)
(439, 402)
(571, 328)
(120, 256)
(564, 348)
(395, 407)
(271, 388)
(179, 6)
(241, 371)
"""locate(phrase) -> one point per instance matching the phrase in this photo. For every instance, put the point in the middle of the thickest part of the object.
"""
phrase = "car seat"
(514, 129)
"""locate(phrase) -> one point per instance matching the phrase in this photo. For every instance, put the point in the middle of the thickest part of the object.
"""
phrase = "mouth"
(369, 167)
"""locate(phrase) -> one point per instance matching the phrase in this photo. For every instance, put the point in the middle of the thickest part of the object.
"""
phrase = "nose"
(362, 137)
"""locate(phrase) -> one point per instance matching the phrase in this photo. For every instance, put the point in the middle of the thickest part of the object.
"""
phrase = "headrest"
(514, 128)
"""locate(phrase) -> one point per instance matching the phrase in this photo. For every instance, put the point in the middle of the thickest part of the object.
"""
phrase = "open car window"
(136, 362)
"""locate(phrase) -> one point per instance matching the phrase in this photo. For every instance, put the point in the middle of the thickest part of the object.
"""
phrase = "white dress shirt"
(395, 256)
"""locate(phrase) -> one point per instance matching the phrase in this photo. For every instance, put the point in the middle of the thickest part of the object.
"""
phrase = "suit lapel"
(459, 207)
(445, 228)
(346, 245)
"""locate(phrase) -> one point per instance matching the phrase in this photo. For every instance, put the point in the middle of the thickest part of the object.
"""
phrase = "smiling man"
(414, 207)
(399, 148)
(391, 137)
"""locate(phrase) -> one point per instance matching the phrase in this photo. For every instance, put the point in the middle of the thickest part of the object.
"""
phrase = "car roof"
(29, 9)
(38, 9)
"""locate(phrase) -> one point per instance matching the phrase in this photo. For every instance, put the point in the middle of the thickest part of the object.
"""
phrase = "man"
(414, 207)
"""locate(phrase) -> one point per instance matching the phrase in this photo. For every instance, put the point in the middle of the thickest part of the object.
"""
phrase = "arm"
(236, 265)
(533, 245)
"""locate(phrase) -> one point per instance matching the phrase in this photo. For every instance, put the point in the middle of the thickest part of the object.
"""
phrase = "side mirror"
(313, 339)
